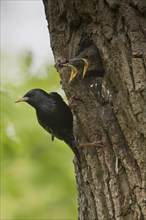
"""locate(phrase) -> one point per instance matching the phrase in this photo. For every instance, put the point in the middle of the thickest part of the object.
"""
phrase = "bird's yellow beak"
(73, 71)
(85, 66)
(23, 99)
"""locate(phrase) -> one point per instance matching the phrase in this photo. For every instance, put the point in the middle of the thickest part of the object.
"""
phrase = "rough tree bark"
(111, 182)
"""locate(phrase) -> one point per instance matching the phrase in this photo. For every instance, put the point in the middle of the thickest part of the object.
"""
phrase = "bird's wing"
(56, 96)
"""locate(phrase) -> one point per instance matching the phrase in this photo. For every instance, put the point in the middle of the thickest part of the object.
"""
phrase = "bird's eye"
(32, 95)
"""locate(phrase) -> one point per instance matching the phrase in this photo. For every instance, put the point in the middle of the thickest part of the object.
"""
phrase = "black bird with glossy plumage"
(53, 115)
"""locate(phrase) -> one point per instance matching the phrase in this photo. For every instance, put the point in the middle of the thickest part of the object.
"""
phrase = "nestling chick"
(88, 61)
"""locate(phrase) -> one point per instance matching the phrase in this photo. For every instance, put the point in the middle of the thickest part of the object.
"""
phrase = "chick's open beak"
(73, 71)
(85, 66)
(23, 99)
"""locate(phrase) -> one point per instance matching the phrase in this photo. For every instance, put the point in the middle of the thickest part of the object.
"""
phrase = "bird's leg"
(52, 137)
(95, 143)
(71, 102)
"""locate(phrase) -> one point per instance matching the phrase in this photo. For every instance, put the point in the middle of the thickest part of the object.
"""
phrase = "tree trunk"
(110, 108)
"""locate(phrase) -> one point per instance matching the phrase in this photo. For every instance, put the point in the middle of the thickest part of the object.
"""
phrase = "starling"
(53, 115)
(88, 60)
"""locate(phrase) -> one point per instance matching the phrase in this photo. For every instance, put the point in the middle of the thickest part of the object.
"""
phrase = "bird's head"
(33, 97)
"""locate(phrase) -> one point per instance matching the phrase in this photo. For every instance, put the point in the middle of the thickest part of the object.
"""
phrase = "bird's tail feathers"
(72, 143)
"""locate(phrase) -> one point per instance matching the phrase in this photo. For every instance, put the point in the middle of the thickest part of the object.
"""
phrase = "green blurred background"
(37, 175)
(38, 180)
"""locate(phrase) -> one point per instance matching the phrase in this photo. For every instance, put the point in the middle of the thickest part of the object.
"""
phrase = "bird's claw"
(71, 102)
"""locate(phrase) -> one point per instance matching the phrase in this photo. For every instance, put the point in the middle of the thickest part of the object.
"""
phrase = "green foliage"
(37, 174)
